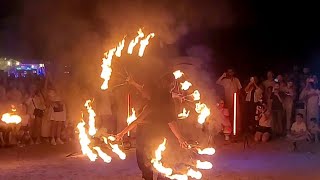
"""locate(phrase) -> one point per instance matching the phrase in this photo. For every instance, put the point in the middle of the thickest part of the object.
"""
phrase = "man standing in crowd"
(231, 85)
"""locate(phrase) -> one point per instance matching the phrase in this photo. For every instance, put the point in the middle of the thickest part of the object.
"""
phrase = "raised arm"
(219, 81)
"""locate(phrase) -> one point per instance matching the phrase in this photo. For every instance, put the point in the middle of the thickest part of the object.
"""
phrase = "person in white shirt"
(310, 95)
(231, 85)
(299, 131)
(263, 131)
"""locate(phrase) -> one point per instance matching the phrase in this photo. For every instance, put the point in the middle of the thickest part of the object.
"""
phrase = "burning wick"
(185, 85)
(206, 151)
(92, 115)
(196, 95)
(106, 68)
(131, 118)
(203, 165)
(134, 42)
(85, 141)
(103, 155)
(144, 43)
(178, 74)
(119, 48)
(184, 114)
(203, 112)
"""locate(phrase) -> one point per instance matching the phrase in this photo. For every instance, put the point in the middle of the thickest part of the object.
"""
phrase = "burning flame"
(203, 112)
(206, 151)
(106, 68)
(185, 85)
(132, 118)
(184, 114)
(144, 43)
(134, 42)
(11, 119)
(119, 48)
(194, 174)
(178, 74)
(117, 150)
(156, 162)
(203, 165)
(85, 141)
(179, 177)
(103, 155)
(92, 115)
(196, 95)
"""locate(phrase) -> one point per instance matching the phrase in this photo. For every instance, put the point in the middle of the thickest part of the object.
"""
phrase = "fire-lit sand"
(260, 161)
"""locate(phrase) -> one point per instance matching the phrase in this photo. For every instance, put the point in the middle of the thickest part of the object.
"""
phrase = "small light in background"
(32, 66)
(17, 63)
(41, 65)
(9, 63)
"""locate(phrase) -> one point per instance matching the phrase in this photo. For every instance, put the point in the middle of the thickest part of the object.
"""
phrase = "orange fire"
(196, 95)
(203, 112)
(11, 118)
(206, 151)
(85, 141)
(135, 41)
(92, 115)
(157, 160)
(119, 48)
(105, 157)
(184, 114)
(144, 43)
(115, 147)
(194, 174)
(106, 68)
(132, 118)
(178, 74)
(185, 85)
(203, 165)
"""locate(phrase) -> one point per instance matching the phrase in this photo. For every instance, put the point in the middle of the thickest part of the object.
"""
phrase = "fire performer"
(157, 121)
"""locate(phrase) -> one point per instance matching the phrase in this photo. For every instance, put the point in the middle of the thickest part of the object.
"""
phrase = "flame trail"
(106, 68)
(11, 119)
(144, 43)
(85, 141)
(134, 42)
(105, 157)
(194, 174)
(115, 147)
(92, 115)
(119, 48)
(156, 161)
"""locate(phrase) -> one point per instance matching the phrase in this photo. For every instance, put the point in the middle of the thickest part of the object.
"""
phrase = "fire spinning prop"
(95, 151)
(11, 118)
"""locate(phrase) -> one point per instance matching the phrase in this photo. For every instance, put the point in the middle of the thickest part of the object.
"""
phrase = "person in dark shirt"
(156, 122)
(277, 111)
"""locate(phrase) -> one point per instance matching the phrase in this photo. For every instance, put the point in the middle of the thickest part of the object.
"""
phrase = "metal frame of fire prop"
(95, 143)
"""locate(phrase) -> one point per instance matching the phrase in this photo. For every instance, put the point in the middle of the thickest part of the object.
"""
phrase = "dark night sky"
(252, 34)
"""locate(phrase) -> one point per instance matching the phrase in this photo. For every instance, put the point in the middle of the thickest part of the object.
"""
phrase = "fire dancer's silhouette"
(156, 122)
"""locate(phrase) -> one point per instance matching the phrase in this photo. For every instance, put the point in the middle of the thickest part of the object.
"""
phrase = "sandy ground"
(260, 161)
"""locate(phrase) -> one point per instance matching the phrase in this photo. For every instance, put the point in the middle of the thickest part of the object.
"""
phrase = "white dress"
(311, 98)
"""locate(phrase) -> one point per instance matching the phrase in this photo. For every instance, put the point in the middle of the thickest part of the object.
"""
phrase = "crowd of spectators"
(285, 105)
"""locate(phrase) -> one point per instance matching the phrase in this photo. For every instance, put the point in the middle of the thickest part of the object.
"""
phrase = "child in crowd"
(299, 131)
(263, 131)
(225, 123)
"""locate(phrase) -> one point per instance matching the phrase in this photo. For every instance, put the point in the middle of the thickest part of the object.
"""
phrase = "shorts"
(263, 129)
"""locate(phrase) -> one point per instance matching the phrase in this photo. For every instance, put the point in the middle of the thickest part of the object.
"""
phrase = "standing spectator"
(269, 82)
(37, 104)
(281, 81)
(254, 95)
(231, 85)
(277, 110)
(310, 96)
(289, 97)
(57, 117)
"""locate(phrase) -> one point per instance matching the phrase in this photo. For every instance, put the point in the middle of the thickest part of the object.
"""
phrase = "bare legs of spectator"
(264, 137)
(2, 143)
(56, 128)
(36, 129)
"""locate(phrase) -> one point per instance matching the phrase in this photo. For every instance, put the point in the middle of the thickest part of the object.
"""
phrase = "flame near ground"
(93, 153)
